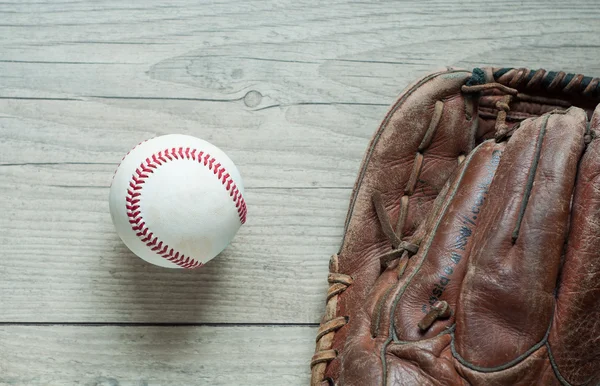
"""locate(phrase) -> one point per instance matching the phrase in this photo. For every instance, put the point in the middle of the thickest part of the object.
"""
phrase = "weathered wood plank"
(62, 260)
(272, 148)
(289, 52)
(143, 356)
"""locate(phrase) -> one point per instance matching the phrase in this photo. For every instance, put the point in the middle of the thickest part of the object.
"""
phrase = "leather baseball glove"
(471, 250)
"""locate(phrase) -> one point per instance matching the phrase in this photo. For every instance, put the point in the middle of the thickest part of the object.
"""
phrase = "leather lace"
(400, 249)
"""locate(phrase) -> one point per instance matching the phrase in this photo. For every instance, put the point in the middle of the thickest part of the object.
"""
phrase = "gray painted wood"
(291, 90)
(152, 356)
(63, 262)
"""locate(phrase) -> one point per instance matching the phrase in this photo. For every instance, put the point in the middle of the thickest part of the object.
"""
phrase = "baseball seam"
(125, 156)
(143, 172)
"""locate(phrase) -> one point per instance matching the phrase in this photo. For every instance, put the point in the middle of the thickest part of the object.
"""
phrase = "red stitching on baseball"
(139, 178)
(115, 173)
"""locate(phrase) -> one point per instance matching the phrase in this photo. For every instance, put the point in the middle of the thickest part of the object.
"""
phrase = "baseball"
(177, 201)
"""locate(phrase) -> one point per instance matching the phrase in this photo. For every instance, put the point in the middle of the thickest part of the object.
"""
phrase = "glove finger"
(417, 147)
(507, 299)
(575, 335)
(370, 321)
(464, 193)
(437, 270)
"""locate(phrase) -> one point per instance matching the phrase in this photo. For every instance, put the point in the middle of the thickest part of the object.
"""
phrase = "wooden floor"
(291, 90)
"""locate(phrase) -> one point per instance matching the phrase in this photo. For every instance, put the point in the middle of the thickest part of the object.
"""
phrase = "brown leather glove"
(471, 252)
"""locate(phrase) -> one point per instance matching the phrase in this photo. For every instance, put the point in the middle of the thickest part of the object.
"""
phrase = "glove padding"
(464, 266)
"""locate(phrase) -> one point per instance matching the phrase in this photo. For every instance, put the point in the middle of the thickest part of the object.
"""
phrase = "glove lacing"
(400, 249)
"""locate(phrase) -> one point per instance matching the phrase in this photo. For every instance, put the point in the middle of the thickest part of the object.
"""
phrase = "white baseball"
(177, 201)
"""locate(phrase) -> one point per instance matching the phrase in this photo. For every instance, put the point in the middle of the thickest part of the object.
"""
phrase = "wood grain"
(153, 356)
(63, 262)
(269, 149)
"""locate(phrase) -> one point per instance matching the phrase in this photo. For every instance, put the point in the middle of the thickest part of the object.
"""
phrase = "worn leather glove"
(471, 251)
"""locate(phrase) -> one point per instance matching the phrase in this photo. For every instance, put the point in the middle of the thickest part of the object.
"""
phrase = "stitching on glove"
(332, 325)
(377, 135)
(557, 81)
(440, 310)
(559, 376)
(505, 366)
(376, 317)
(574, 83)
(433, 124)
(401, 249)
(338, 283)
(530, 179)
(550, 80)
(593, 86)
(503, 105)
(415, 271)
(477, 77)
(325, 342)
(323, 357)
(335, 289)
(384, 218)
(488, 86)
(519, 77)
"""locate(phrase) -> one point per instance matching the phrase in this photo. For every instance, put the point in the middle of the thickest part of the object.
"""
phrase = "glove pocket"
(420, 303)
